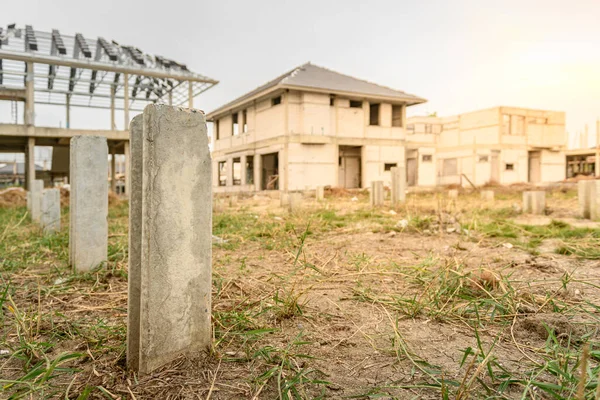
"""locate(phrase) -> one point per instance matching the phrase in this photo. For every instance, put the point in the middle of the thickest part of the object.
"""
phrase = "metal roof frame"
(80, 72)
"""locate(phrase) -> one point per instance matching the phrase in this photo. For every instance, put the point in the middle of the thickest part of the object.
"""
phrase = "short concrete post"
(169, 310)
(295, 201)
(376, 195)
(88, 227)
(284, 199)
(487, 195)
(453, 193)
(398, 185)
(584, 189)
(594, 197)
(534, 202)
(50, 218)
(233, 201)
(320, 193)
(588, 193)
(34, 200)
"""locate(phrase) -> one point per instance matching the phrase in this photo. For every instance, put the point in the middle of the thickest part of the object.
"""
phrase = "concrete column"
(134, 175)
(68, 111)
(487, 195)
(229, 171)
(113, 170)
(112, 107)
(584, 189)
(126, 147)
(30, 162)
(284, 199)
(190, 94)
(398, 185)
(88, 230)
(534, 202)
(29, 96)
(126, 99)
(34, 200)
(282, 169)
(295, 201)
(243, 169)
(588, 193)
(453, 193)
(320, 193)
(594, 200)
(50, 216)
(257, 172)
(376, 195)
(171, 241)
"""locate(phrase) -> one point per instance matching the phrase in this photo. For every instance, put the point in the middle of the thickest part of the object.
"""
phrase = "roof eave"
(409, 100)
(237, 103)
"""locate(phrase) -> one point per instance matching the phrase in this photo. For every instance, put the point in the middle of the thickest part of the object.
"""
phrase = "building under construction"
(74, 71)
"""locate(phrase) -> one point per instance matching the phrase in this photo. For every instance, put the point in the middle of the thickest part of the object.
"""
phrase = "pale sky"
(461, 55)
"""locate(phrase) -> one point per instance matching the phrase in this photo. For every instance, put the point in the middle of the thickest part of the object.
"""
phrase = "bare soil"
(335, 301)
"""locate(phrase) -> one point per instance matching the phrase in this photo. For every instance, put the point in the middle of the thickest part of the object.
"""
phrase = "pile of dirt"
(13, 197)
(65, 197)
(539, 325)
(338, 192)
(113, 198)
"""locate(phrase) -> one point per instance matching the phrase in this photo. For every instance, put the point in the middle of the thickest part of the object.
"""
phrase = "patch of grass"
(287, 368)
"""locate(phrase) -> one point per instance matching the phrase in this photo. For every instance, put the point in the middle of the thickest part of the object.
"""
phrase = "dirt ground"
(437, 298)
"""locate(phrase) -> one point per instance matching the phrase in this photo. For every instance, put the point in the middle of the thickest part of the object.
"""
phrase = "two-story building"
(309, 127)
(503, 145)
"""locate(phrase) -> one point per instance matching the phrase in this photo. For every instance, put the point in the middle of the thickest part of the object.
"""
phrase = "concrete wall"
(553, 165)
(426, 170)
(511, 132)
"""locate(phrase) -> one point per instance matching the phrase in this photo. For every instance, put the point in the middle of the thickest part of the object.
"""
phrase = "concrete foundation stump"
(320, 193)
(398, 185)
(453, 193)
(88, 226)
(376, 195)
(34, 200)
(295, 201)
(169, 308)
(588, 193)
(50, 218)
(487, 195)
(284, 199)
(534, 202)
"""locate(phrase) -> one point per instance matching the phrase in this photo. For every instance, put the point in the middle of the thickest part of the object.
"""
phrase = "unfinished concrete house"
(309, 127)
(503, 145)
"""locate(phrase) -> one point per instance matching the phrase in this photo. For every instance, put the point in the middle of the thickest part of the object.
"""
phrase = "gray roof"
(312, 76)
(7, 168)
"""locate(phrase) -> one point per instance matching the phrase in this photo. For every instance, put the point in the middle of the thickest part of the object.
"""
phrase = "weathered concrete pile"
(320, 193)
(44, 206)
(13, 197)
(588, 194)
(534, 202)
(170, 240)
(377, 194)
(487, 195)
(88, 229)
(398, 185)
(50, 210)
